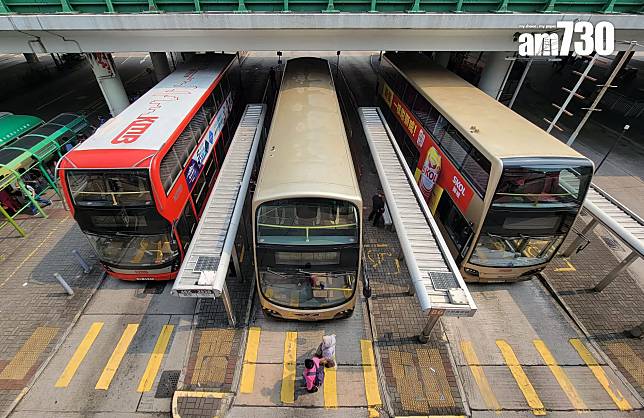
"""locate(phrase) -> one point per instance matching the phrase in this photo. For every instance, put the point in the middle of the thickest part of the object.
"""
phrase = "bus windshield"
(125, 250)
(307, 221)
(314, 278)
(110, 188)
(544, 185)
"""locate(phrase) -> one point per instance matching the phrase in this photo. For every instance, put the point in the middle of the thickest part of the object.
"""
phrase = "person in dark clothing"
(377, 207)
(271, 77)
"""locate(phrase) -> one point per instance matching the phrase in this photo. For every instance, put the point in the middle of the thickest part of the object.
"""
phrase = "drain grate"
(442, 280)
(154, 288)
(611, 243)
(167, 384)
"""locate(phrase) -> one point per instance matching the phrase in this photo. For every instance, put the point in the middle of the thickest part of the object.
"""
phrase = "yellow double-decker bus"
(504, 192)
(307, 204)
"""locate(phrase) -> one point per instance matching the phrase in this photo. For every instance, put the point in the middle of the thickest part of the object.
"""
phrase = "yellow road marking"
(287, 394)
(330, 388)
(28, 354)
(601, 377)
(479, 376)
(250, 358)
(629, 359)
(569, 268)
(117, 355)
(369, 371)
(147, 380)
(522, 379)
(373, 413)
(561, 376)
(79, 355)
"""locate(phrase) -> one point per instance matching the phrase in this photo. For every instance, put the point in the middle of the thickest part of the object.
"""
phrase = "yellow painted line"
(147, 380)
(369, 371)
(561, 376)
(28, 354)
(330, 388)
(479, 376)
(522, 379)
(250, 358)
(601, 377)
(373, 413)
(569, 268)
(194, 394)
(117, 355)
(241, 256)
(287, 394)
(79, 355)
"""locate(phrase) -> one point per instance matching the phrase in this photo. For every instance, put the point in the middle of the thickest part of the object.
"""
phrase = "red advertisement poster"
(434, 168)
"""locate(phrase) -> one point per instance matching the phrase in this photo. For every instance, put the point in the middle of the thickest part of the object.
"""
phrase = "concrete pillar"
(442, 57)
(109, 81)
(31, 58)
(160, 64)
(496, 67)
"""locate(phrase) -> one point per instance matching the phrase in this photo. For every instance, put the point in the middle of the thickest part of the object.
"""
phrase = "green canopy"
(12, 126)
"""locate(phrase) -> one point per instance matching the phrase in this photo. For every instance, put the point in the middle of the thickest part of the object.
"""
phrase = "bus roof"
(501, 132)
(307, 153)
(12, 126)
(150, 121)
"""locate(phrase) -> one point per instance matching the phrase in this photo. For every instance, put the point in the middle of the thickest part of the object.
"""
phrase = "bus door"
(457, 230)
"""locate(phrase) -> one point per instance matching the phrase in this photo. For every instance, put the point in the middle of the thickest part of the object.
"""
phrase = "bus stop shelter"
(205, 267)
(435, 277)
(619, 220)
(12, 126)
(33, 152)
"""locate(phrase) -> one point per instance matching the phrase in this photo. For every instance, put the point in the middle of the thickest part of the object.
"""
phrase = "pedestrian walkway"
(274, 362)
(605, 315)
(419, 378)
(36, 312)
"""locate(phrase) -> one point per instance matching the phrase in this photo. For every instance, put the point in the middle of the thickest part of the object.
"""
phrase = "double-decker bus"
(138, 186)
(504, 192)
(307, 205)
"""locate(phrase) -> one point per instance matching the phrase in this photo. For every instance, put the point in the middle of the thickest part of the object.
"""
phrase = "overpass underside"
(190, 31)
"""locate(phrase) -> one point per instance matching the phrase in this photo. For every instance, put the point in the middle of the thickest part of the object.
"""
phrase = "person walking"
(377, 207)
(326, 351)
(313, 374)
(271, 77)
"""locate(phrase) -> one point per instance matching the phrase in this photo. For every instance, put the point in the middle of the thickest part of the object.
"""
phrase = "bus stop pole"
(427, 330)
(49, 180)
(615, 272)
(12, 222)
(228, 305)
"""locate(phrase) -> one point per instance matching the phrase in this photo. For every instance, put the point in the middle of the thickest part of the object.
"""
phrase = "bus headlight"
(471, 271)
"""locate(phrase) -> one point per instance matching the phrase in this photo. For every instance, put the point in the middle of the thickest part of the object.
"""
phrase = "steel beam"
(429, 326)
(616, 271)
(580, 237)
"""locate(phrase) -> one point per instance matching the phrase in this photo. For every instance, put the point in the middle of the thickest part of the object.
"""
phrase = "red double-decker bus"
(138, 186)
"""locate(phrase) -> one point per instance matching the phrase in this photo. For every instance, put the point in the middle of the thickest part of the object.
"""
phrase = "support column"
(109, 81)
(160, 64)
(616, 271)
(442, 57)
(496, 68)
(228, 305)
(31, 58)
(427, 330)
(580, 238)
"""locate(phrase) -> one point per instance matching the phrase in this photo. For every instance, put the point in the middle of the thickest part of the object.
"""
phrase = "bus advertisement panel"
(435, 173)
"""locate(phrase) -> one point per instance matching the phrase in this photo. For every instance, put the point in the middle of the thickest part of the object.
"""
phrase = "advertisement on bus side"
(434, 173)
(205, 148)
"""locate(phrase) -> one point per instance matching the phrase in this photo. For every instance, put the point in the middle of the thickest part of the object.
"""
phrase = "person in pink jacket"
(313, 374)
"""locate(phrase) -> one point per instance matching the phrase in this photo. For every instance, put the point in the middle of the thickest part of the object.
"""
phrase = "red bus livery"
(137, 187)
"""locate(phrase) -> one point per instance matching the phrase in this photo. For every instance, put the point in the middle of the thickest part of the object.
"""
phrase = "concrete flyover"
(269, 31)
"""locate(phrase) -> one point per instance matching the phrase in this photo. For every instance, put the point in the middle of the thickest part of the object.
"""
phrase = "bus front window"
(311, 279)
(110, 188)
(519, 251)
(125, 250)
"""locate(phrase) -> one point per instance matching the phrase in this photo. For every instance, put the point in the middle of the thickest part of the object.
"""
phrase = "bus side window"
(186, 226)
(458, 228)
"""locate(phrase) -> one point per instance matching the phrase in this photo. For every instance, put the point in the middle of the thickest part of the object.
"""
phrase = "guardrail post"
(67, 8)
(550, 8)
(608, 8)
(503, 7)
(580, 237)
(110, 6)
(81, 261)
(427, 330)
(615, 272)
(11, 221)
(64, 284)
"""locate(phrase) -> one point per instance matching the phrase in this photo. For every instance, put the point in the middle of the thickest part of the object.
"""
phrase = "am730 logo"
(583, 38)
